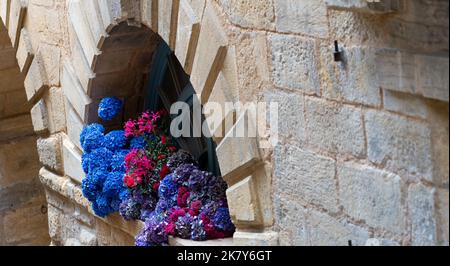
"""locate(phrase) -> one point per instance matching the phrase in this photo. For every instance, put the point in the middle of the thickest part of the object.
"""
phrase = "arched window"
(168, 83)
(137, 66)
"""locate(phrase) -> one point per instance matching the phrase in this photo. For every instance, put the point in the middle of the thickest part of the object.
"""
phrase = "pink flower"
(176, 214)
(170, 229)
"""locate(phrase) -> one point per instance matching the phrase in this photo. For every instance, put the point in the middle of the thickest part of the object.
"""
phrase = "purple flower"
(198, 232)
(183, 226)
(130, 210)
(199, 180)
(109, 108)
(153, 233)
(183, 173)
(216, 189)
(179, 158)
(222, 220)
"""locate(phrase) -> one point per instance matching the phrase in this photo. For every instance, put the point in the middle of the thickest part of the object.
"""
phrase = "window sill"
(173, 241)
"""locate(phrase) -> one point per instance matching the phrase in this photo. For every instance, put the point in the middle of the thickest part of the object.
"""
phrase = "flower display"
(109, 108)
(140, 173)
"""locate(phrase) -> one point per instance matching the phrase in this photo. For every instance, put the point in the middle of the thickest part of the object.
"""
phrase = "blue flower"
(115, 140)
(102, 206)
(89, 189)
(138, 143)
(118, 161)
(91, 137)
(98, 177)
(222, 220)
(99, 159)
(168, 189)
(90, 128)
(109, 108)
(113, 184)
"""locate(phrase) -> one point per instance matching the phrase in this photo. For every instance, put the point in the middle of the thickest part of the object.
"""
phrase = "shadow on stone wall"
(23, 207)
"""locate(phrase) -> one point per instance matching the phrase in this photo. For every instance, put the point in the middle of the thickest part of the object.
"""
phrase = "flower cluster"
(109, 108)
(103, 163)
(146, 163)
(139, 172)
(192, 205)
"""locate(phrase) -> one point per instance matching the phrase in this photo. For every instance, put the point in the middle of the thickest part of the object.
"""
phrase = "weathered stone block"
(15, 103)
(39, 117)
(381, 6)
(306, 17)
(16, 127)
(238, 154)
(36, 80)
(267, 238)
(403, 145)
(8, 58)
(25, 226)
(74, 125)
(49, 151)
(414, 73)
(243, 203)
(294, 63)
(308, 177)
(187, 35)
(4, 11)
(354, 80)
(443, 216)
(422, 210)
(307, 227)
(405, 104)
(54, 100)
(19, 162)
(25, 52)
(83, 32)
(74, 91)
(334, 127)
(372, 195)
(72, 161)
(251, 14)
(211, 53)
(291, 119)
(432, 76)
(16, 17)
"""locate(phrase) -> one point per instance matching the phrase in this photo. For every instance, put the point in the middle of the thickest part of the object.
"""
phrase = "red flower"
(195, 207)
(164, 171)
(156, 186)
(176, 214)
(183, 196)
(212, 233)
(129, 181)
(163, 139)
(172, 148)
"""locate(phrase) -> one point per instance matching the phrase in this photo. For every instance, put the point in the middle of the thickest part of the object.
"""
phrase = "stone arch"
(195, 33)
(23, 216)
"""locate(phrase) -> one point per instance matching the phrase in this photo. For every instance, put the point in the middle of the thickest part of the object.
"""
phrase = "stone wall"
(363, 149)
(23, 208)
